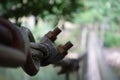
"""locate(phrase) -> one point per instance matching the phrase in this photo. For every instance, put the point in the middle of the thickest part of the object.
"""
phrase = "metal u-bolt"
(52, 35)
(64, 48)
(56, 31)
(68, 45)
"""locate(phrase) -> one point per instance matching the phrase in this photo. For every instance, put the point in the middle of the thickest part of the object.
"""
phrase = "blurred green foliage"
(45, 73)
(96, 11)
(112, 39)
(19, 8)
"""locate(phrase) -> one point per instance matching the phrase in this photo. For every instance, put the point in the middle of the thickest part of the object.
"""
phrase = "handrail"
(94, 66)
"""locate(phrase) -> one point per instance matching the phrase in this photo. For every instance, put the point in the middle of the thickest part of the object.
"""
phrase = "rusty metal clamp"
(24, 52)
(51, 54)
(32, 64)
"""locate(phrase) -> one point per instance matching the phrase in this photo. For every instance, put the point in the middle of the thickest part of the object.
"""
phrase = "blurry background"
(40, 16)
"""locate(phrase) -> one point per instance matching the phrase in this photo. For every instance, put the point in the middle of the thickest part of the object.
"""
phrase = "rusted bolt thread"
(52, 35)
(68, 45)
(56, 31)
